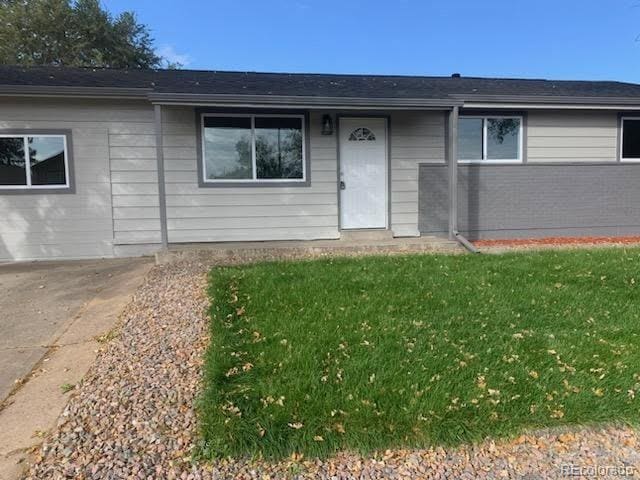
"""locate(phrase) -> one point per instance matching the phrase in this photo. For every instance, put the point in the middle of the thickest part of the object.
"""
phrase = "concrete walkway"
(52, 315)
(351, 243)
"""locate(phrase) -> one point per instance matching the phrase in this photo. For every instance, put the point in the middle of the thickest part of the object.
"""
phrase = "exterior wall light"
(327, 125)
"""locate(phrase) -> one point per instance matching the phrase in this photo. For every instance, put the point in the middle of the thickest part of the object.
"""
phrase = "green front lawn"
(371, 353)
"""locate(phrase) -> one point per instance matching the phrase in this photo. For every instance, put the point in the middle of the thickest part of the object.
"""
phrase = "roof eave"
(469, 100)
(300, 101)
(77, 92)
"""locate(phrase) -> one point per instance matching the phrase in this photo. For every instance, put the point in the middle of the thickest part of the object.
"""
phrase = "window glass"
(501, 134)
(227, 148)
(470, 138)
(47, 160)
(502, 138)
(278, 147)
(253, 147)
(12, 161)
(631, 138)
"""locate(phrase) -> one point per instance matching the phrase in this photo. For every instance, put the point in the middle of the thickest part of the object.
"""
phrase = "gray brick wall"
(533, 200)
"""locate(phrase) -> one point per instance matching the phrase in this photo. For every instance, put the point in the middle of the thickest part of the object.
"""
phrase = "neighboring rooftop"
(307, 85)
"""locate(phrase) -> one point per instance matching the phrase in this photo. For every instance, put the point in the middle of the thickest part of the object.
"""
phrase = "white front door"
(363, 172)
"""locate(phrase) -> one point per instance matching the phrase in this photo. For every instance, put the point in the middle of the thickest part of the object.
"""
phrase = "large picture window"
(33, 161)
(631, 138)
(489, 138)
(253, 148)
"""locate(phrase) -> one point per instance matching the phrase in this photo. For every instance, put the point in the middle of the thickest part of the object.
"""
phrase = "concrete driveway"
(53, 317)
(40, 300)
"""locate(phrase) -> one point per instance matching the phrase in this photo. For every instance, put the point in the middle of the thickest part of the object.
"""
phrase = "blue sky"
(560, 39)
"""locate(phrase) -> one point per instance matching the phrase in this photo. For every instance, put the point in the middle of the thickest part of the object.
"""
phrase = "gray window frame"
(69, 188)
(258, 183)
(492, 114)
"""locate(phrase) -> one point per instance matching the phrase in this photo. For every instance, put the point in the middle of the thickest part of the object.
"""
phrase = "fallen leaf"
(557, 414)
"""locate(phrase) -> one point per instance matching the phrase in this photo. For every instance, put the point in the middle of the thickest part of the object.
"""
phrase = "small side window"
(34, 161)
(489, 139)
(630, 138)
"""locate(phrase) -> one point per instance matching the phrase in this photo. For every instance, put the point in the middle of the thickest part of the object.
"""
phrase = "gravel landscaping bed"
(554, 243)
(133, 416)
(560, 241)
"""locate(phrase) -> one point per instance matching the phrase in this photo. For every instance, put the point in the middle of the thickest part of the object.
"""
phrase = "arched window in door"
(362, 134)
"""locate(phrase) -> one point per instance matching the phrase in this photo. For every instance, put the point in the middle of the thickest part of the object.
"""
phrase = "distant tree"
(12, 151)
(277, 156)
(500, 129)
(73, 33)
(281, 156)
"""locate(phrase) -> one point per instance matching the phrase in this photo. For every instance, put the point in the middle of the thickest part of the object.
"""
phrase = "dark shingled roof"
(308, 85)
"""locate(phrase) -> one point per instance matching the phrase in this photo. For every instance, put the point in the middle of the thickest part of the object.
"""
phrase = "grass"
(67, 387)
(379, 352)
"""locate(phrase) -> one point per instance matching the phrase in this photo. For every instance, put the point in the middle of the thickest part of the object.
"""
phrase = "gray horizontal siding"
(416, 137)
(196, 214)
(134, 179)
(571, 136)
(249, 211)
(78, 225)
(248, 199)
(511, 201)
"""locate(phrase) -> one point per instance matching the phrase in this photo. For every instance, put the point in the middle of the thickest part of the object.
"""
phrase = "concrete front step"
(364, 235)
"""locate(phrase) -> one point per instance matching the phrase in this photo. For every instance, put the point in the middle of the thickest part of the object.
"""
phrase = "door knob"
(342, 185)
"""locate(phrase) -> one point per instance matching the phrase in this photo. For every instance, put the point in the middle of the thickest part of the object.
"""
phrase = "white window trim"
(28, 186)
(484, 159)
(255, 180)
(622, 159)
